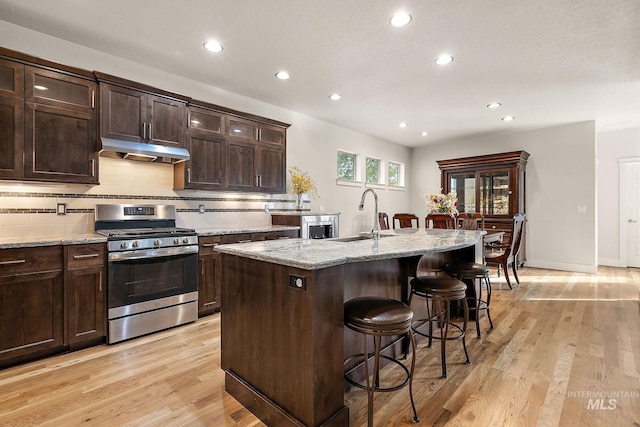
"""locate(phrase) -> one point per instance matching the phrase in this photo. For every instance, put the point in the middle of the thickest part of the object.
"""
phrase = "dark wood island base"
(283, 340)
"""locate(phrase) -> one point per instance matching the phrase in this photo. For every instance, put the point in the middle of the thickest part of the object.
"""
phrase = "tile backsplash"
(31, 209)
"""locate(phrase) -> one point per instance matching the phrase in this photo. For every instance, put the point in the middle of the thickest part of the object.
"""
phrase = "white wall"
(311, 143)
(560, 175)
(612, 146)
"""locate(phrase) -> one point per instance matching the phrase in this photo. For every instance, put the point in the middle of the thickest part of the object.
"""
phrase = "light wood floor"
(561, 342)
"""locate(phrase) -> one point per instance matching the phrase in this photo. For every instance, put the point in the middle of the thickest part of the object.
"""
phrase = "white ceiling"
(549, 62)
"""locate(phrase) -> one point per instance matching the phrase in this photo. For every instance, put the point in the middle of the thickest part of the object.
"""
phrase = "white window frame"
(401, 176)
(357, 181)
(381, 182)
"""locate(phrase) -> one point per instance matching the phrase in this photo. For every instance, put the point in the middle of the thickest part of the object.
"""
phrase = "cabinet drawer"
(208, 243)
(236, 238)
(85, 255)
(30, 260)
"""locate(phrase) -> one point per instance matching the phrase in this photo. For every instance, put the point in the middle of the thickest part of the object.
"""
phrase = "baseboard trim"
(610, 262)
(577, 268)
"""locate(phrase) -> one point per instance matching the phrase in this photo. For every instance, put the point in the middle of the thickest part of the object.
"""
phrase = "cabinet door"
(60, 90)
(11, 79)
(86, 287)
(86, 313)
(121, 113)
(60, 145)
(241, 165)
(31, 314)
(11, 137)
(209, 284)
(464, 185)
(206, 169)
(60, 128)
(271, 134)
(11, 118)
(241, 129)
(165, 119)
(495, 192)
(272, 169)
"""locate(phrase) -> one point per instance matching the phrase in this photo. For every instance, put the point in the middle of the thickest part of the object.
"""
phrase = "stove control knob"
(185, 240)
(176, 241)
(124, 245)
(157, 242)
(135, 244)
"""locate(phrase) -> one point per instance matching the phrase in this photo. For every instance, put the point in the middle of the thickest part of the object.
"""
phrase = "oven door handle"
(152, 253)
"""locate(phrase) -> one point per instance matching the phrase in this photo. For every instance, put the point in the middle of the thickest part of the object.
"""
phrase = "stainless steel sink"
(359, 237)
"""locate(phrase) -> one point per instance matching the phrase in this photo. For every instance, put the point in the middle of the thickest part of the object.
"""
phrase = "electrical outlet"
(298, 282)
(201, 209)
(61, 209)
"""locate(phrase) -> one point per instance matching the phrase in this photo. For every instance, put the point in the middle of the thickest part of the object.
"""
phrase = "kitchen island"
(283, 341)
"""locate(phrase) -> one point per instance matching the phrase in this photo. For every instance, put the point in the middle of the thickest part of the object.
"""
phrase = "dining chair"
(437, 220)
(470, 221)
(406, 220)
(503, 254)
(383, 220)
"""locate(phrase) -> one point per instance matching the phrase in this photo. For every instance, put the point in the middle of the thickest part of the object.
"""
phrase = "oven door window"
(322, 231)
(139, 280)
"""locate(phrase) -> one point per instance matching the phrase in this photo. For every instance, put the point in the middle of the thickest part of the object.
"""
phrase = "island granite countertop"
(310, 254)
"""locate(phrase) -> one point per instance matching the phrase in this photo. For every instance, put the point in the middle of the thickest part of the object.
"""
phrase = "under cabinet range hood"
(142, 152)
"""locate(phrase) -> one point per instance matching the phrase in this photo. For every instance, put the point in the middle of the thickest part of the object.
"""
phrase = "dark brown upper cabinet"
(205, 170)
(132, 111)
(257, 155)
(48, 126)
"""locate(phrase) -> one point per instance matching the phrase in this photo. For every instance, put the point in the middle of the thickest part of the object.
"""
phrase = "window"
(373, 171)
(346, 166)
(396, 174)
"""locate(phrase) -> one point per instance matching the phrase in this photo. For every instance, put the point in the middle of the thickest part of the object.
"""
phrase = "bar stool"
(441, 291)
(380, 317)
(473, 271)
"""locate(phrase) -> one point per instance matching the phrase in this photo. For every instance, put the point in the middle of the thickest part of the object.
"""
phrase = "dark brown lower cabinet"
(31, 303)
(85, 280)
(209, 279)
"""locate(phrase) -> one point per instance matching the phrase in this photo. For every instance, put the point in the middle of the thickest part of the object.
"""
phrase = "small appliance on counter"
(312, 225)
(152, 276)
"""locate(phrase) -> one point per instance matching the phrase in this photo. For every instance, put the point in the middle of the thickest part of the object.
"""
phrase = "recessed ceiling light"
(494, 105)
(335, 96)
(403, 124)
(400, 19)
(282, 75)
(444, 59)
(507, 118)
(425, 133)
(213, 46)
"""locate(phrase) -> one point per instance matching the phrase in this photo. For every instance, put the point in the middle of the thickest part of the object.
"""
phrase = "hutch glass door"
(494, 192)
(464, 185)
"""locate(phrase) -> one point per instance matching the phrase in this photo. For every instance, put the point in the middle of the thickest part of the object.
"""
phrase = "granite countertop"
(30, 242)
(304, 213)
(78, 239)
(214, 231)
(315, 254)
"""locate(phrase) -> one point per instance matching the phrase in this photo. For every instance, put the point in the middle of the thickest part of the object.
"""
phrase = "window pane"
(373, 170)
(394, 174)
(346, 166)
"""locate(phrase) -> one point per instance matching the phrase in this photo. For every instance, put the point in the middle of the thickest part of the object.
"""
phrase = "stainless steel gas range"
(152, 269)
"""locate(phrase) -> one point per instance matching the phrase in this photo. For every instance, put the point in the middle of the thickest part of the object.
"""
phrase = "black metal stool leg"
(444, 332)
(465, 305)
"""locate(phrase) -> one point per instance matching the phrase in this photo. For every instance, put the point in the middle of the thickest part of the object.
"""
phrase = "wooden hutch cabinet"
(493, 185)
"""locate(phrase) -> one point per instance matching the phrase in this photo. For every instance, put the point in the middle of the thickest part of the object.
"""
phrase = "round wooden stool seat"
(472, 271)
(379, 317)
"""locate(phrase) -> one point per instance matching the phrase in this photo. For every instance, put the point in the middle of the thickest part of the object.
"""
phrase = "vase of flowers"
(443, 203)
(302, 183)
